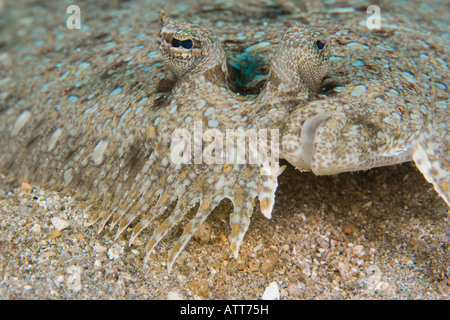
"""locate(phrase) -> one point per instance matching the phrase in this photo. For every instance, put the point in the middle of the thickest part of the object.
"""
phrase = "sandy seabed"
(380, 234)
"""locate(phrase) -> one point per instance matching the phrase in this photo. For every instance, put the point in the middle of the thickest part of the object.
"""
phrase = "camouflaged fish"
(133, 132)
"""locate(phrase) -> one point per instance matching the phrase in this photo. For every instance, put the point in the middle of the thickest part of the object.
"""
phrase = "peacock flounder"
(134, 133)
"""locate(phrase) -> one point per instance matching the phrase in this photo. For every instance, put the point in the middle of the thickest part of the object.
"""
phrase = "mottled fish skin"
(99, 122)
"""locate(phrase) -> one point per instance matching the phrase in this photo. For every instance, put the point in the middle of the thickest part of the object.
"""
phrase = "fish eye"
(186, 44)
(320, 44)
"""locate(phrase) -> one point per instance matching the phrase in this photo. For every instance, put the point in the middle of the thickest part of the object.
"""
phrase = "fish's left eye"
(320, 44)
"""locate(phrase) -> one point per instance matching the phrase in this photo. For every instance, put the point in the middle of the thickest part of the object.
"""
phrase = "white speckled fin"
(238, 183)
(144, 222)
(164, 200)
(206, 206)
(104, 217)
(240, 220)
(94, 215)
(266, 190)
(93, 219)
(432, 158)
(180, 209)
(243, 194)
(125, 222)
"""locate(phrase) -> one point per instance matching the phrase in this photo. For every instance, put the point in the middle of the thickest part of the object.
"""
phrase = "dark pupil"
(320, 44)
(187, 44)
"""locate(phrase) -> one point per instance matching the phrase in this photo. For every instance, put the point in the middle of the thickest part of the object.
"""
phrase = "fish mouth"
(299, 150)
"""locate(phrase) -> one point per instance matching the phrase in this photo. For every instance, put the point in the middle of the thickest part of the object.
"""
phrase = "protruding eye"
(186, 44)
(320, 44)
